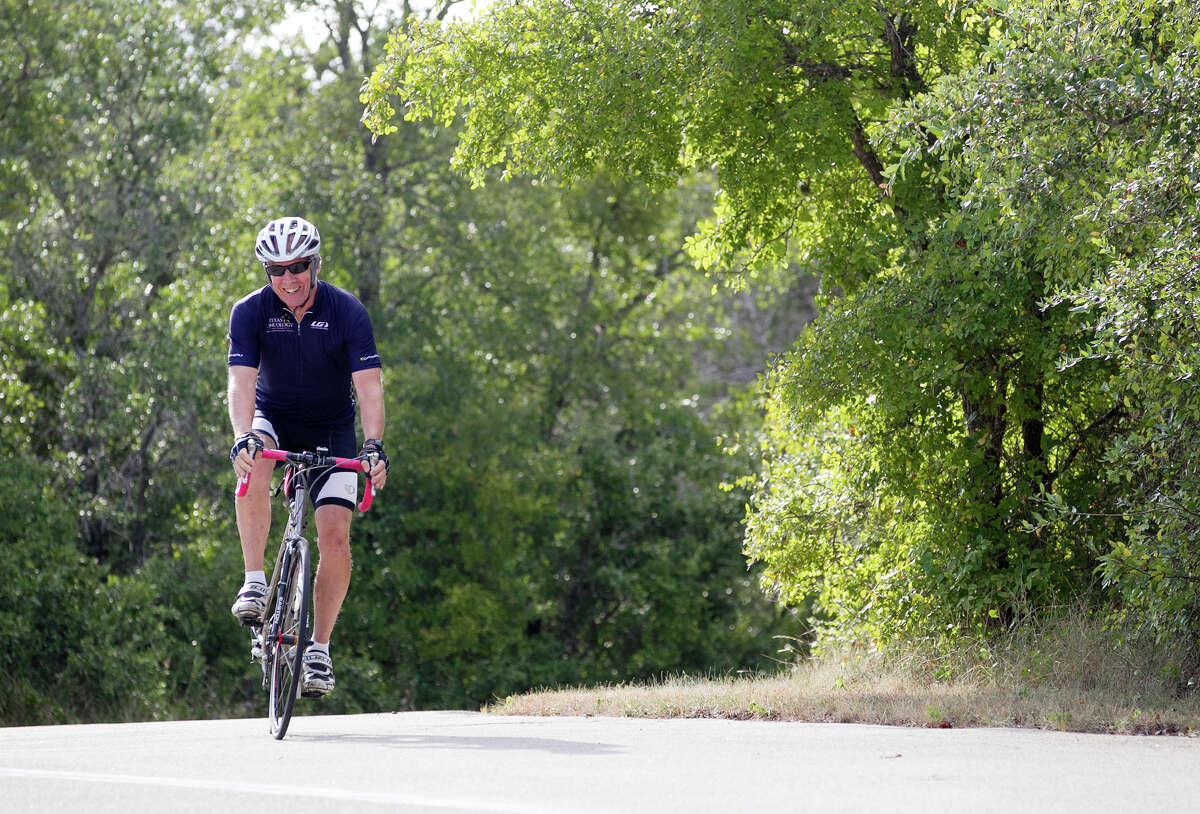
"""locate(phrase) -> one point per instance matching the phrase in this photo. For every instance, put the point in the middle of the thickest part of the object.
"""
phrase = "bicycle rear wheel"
(289, 639)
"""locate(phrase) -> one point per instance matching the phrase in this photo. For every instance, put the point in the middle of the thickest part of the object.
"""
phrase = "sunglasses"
(295, 268)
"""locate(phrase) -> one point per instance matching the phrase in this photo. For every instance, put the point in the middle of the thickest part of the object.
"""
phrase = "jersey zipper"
(300, 342)
(300, 339)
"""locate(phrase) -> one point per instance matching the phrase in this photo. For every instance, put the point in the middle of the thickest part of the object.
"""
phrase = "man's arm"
(241, 412)
(242, 381)
(368, 384)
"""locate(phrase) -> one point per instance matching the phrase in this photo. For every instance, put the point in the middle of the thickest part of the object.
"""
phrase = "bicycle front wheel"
(289, 635)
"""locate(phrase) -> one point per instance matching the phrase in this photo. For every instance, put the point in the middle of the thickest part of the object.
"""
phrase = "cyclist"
(300, 349)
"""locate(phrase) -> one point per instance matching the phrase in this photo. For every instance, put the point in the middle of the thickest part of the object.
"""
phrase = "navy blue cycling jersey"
(303, 369)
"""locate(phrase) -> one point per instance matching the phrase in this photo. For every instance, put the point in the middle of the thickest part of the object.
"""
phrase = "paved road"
(469, 762)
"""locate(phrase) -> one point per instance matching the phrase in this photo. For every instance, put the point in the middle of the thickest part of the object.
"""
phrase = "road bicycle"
(279, 638)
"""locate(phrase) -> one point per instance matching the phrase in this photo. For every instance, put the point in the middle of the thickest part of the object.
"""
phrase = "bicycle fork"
(270, 634)
(261, 635)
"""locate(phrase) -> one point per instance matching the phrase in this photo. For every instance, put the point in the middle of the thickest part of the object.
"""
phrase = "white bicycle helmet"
(287, 239)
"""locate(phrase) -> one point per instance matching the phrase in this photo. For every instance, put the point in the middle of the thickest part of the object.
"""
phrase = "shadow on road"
(474, 743)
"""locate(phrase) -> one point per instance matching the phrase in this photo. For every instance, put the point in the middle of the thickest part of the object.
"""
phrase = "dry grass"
(1071, 675)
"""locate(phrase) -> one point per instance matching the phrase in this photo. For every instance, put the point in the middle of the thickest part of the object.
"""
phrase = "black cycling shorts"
(338, 487)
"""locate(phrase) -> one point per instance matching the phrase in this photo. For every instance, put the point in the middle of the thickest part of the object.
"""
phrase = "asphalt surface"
(470, 762)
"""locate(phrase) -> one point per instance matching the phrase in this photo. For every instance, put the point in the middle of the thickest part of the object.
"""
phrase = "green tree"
(103, 240)
(554, 469)
(921, 430)
(777, 98)
(1132, 75)
(901, 519)
(108, 278)
(556, 500)
(523, 330)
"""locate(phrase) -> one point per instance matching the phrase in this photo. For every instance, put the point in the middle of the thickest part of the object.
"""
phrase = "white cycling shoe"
(250, 604)
(318, 674)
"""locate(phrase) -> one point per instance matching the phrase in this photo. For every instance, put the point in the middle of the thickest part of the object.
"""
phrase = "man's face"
(292, 282)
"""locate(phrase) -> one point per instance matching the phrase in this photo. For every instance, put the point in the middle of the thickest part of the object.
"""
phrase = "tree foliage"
(99, 241)
(553, 513)
(969, 428)
(776, 97)
(996, 308)
(992, 410)
(1135, 81)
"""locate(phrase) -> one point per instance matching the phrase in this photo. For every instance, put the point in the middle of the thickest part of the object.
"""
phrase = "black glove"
(248, 441)
(372, 450)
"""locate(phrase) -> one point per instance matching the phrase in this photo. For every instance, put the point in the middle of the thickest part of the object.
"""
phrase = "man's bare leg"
(333, 568)
(253, 511)
(333, 580)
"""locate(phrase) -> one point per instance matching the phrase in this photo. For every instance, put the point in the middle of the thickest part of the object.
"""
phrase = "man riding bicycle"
(299, 352)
